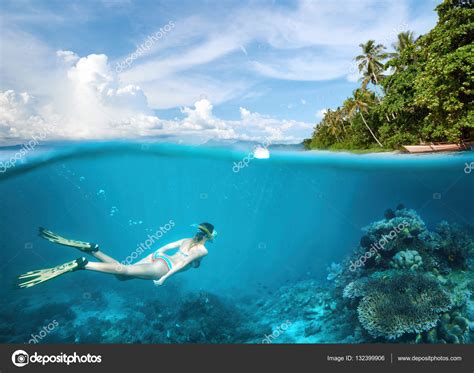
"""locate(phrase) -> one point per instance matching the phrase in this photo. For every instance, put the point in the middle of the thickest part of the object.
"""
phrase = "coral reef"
(451, 328)
(399, 277)
(400, 229)
(408, 259)
(454, 244)
(393, 241)
(334, 270)
(395, 303)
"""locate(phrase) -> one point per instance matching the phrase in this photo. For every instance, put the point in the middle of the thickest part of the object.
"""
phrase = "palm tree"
(405, 43)
(370, 62)
(339, 117)
(405, 40)
(373, 77)
(346, 112)
(330, 119)
(359, 104)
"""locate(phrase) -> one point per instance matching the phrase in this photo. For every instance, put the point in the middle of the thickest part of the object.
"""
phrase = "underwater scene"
(312, 247)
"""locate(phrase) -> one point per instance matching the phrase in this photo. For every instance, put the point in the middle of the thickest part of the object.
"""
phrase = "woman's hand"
(196, 256)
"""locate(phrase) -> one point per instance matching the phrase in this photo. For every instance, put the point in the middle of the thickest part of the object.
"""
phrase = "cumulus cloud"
(16, 113)
(85, 102)
(92, 103)
(262, 126)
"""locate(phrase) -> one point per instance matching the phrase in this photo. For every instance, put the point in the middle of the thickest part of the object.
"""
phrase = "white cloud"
(262, 126)
(21, 117)
(92, 103)
(314, 40)
(201, 116)
(198, 55)
(244, 113)
(320, 113)
(67, 56)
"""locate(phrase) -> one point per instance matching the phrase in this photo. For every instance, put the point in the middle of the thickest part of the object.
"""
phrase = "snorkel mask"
(210, 236)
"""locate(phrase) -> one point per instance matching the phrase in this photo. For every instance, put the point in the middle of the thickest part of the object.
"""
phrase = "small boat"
(439, 147)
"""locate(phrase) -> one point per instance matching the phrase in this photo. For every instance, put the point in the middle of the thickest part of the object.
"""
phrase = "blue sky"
(217, 69)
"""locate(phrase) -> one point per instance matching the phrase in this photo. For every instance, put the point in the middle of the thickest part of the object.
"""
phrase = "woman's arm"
(192, 257)
(172, 245)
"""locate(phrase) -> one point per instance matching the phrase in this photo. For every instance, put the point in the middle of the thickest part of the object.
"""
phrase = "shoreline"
(234, 148)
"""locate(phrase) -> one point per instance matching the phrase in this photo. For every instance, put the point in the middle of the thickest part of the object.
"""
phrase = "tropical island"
(422, 92)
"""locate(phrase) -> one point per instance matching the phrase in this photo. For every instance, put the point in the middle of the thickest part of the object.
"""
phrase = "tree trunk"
(376, 84)
(373, 135)
(377, 95)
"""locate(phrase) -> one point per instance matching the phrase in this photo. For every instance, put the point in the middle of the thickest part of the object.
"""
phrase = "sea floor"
(299, 313)
(303, 312)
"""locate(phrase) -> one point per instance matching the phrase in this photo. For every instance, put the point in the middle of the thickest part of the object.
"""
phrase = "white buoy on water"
(261, 153)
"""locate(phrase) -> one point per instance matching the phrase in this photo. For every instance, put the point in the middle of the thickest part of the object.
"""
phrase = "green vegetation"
(421, 92)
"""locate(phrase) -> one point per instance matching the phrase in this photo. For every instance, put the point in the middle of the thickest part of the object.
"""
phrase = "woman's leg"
(147, 271)
(87, 247)
(103, 257)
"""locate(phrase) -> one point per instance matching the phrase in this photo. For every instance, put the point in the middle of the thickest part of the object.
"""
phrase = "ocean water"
(281, 222)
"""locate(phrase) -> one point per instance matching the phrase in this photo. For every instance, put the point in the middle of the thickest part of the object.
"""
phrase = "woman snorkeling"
(157, 266)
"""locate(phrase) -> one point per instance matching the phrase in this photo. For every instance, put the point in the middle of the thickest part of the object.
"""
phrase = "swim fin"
(87, 247)
(33, 278)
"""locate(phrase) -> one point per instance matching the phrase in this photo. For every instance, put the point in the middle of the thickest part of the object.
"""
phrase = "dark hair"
(201, 234)
(208, 226)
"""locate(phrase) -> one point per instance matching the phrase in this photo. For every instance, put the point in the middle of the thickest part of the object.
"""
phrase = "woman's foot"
(33, 278)
(86, 247)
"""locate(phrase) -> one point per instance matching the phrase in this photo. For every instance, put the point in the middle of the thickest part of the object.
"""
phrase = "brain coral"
(408, 259)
